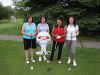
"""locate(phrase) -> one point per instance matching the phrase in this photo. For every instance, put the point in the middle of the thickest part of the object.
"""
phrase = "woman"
(42, 26)
(58, 33)
(72, 31)
(29, 37)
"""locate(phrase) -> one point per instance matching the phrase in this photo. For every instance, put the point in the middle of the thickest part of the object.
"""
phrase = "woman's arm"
(77, 32)
(37, 30)
(48, 31)
(23, 31)
(64, 32)
(52, 32)
(35, 33)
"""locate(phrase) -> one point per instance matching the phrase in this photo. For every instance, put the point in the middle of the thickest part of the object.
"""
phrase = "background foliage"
(86, 13)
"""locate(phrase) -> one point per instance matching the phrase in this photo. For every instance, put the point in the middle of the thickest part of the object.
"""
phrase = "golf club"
(49, 69)
(70, 52)
(31, 49)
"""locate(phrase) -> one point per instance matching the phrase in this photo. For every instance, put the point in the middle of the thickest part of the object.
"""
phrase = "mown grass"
(11, 28)
(14, 28)
(12, 61)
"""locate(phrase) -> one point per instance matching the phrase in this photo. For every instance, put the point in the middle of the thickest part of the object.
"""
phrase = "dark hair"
(73, 22)
(44, 17)
(58, 19)
(28, 16)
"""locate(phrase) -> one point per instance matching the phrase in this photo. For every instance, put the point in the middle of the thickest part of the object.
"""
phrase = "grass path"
(11, 28)
(6, 26)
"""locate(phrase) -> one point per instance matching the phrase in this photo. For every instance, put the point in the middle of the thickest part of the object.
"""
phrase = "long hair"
(73, 22)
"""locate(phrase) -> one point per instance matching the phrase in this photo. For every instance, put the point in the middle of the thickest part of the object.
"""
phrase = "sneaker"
(32, 60)
(74, 63)
(59, 61)
(44, 57)
(49, 61)
(68, 61)
(40, 59)
(27, 61)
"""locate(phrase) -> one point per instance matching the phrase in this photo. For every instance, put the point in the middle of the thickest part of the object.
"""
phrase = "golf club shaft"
(70, 51)
(31, 49)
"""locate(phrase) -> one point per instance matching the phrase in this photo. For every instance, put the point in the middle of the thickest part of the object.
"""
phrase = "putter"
(49, 69)
(31, 59)
(70, 52)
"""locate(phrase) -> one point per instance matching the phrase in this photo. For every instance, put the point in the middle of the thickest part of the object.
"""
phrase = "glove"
(58, 37)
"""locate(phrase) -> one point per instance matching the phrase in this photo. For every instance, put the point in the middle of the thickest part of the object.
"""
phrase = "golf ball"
(69, 68)
(31, 67)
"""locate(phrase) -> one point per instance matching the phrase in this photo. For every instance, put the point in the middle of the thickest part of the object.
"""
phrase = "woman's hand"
(58, 37)
(73, 35)
(30, 34)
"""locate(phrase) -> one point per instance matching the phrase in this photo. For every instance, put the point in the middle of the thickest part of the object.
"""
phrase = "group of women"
(60, 34)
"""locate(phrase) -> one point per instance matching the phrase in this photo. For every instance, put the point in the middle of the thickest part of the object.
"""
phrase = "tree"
(85, 11)
(3, 12)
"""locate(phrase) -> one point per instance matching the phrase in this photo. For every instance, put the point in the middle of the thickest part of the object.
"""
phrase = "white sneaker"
(59, 61)
(49, 61)
(74, 63)
(33, 60)
(27, 61)
(44, 57)
(40, 59)
(68, 61)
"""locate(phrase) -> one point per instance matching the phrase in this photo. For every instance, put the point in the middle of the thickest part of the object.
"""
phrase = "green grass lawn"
(12, 57)
(11, 28)
(12, 61)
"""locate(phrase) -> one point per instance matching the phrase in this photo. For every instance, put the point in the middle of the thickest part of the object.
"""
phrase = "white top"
(71, 30)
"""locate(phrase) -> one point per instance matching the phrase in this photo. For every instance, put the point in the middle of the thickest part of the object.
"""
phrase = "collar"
(42, 24)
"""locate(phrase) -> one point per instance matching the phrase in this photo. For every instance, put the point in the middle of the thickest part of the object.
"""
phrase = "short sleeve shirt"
(71, 30)
(44, 27)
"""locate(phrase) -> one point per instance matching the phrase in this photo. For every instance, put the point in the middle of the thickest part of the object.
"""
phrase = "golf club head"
(49, 69)
(69, 68)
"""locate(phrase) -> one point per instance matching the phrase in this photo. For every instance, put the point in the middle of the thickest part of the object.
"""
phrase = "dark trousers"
(55, 44)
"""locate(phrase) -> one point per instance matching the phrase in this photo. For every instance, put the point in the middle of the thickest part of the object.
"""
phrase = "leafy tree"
(85, 11)
(3, 12)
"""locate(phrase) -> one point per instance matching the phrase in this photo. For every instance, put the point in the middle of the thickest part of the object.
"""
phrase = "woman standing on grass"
(72, 31)
(42, 26)
(58, 32)
(29, 37)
